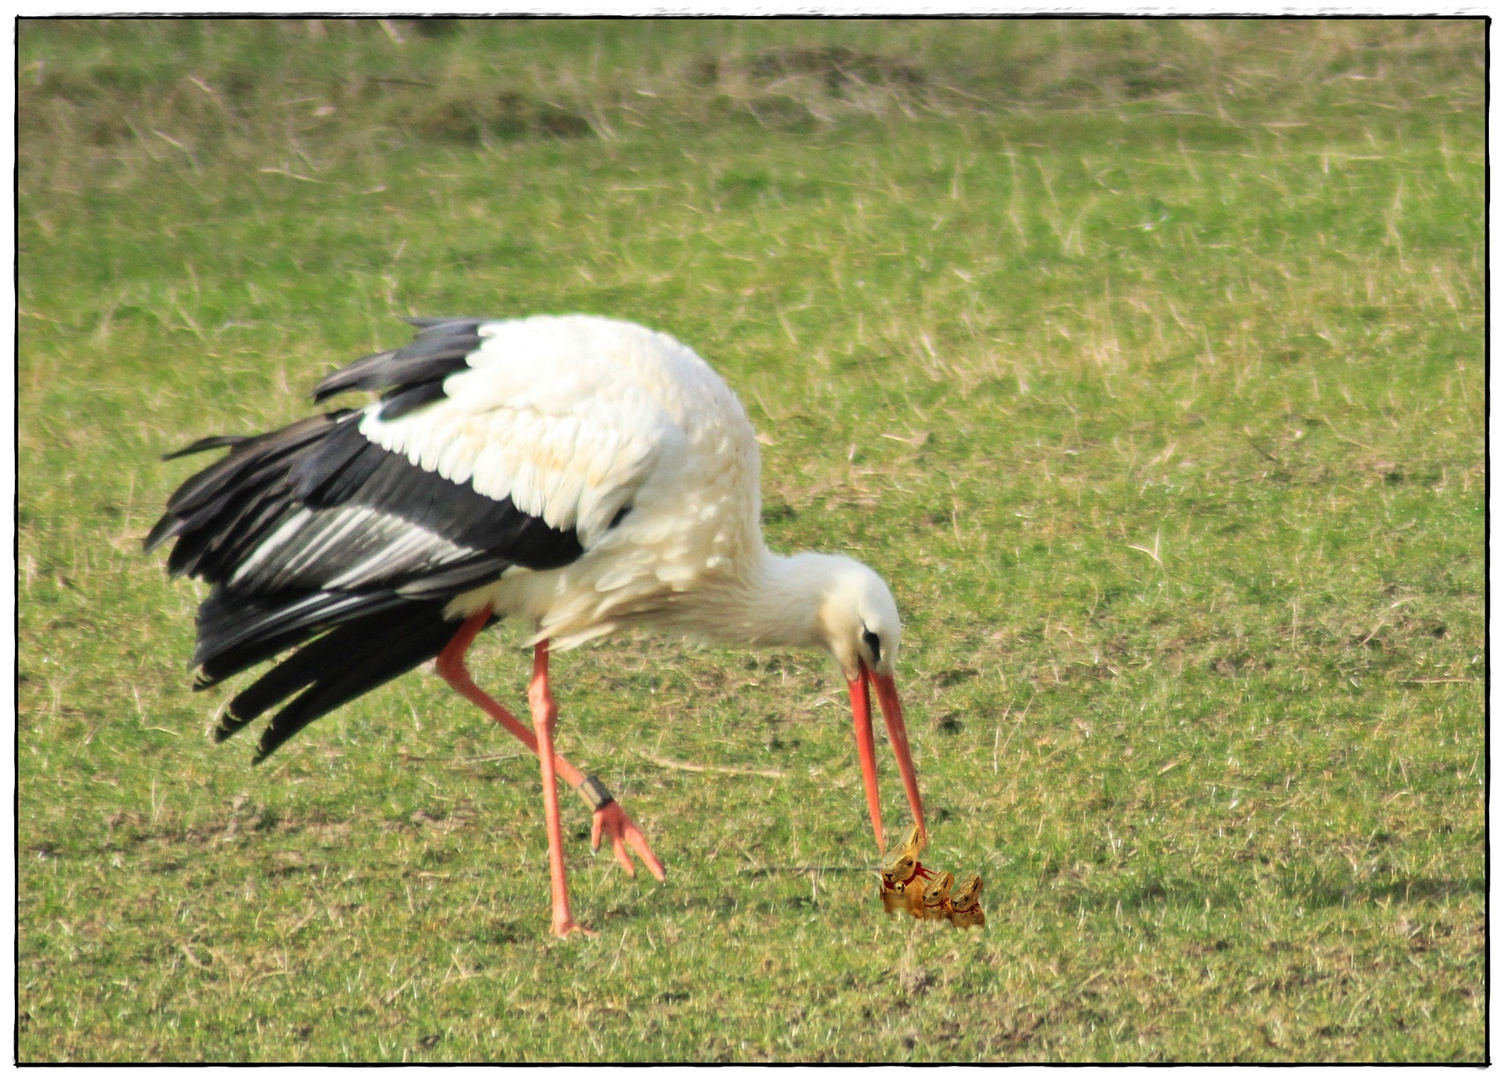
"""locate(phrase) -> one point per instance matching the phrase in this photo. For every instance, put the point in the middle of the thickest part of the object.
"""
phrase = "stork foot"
(569, 926)
(612, 821)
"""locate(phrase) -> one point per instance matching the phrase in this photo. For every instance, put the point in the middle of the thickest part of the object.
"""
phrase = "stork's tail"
(347, 641)
(383, 645)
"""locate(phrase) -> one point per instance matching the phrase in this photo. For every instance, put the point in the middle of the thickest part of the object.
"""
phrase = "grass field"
(1145, 360)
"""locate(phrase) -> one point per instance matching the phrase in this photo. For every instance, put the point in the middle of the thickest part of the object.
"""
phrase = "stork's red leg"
(610, 819)
(545, 713)
(451, 666)
(861, 715)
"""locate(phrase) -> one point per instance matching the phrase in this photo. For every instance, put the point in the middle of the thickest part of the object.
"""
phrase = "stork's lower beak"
(861, 715)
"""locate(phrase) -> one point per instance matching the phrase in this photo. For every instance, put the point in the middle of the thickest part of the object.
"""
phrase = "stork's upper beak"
(861, 715)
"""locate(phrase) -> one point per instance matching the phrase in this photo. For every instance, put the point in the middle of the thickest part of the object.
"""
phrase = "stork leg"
(545, 714)
(608, 820)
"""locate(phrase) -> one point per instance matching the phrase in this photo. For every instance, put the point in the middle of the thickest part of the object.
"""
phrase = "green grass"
(1144, 360)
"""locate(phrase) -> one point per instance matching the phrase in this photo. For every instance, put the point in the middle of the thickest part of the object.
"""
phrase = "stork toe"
(614, 822)
(568, 927)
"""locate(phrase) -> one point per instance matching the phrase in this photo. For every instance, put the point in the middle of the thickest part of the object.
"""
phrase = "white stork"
(582, 473)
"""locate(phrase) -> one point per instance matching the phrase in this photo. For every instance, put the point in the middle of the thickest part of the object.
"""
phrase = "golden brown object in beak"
(903, 886)
(913, 895)
(893, 899)
(937, 896)
(966, 904)
(912, 844)
(903, 878)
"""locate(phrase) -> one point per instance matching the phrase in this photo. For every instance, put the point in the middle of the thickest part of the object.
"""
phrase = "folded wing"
(346, 535)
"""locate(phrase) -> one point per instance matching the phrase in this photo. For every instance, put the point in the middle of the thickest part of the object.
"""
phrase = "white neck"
(776, 603)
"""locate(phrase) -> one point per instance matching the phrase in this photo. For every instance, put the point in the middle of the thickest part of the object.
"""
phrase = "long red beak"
(861, 715)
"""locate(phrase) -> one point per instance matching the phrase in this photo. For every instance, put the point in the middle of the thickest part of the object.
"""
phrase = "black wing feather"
(209, 442)
(404, 399)
(416, 634)
(316, 539)
(370, 636)
(210, 483)
(435, 352)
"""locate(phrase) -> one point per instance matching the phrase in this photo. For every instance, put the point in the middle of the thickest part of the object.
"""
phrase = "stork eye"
(874, 643)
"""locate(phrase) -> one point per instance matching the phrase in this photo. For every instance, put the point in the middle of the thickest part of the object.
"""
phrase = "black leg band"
(594, 792)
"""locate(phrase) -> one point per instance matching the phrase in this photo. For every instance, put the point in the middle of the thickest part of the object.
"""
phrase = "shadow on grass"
(1312, 890)
(1323, 892)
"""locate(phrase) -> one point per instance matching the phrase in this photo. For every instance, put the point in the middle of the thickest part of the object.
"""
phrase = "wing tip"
(428, 322)
(165, 529)
(208, 442)
(350, 376)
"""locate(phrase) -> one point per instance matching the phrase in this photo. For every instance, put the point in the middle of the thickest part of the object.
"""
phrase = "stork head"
(843, 606)
(857, 621)
(857, 618)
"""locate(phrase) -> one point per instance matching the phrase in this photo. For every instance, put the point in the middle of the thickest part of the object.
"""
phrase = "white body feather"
(576, 418)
